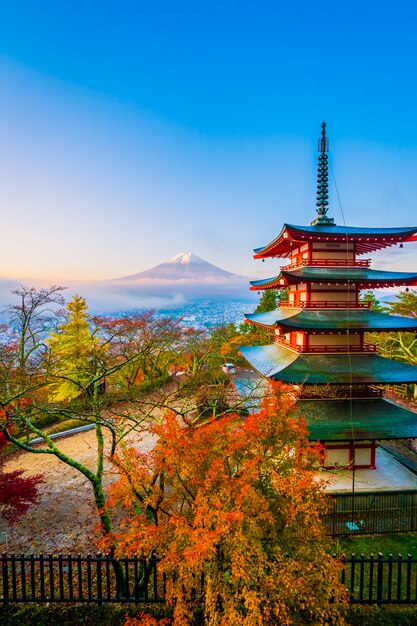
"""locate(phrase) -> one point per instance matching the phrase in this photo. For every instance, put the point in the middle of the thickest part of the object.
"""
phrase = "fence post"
(99, 579)
(379, 578)
(5, 574)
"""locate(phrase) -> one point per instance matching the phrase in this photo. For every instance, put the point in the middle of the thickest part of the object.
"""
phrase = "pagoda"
(318, 333)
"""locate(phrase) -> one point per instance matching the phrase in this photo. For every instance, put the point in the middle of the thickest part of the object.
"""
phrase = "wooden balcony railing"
(326, 348)
(327, 263)
(367, 347)
(326, 304)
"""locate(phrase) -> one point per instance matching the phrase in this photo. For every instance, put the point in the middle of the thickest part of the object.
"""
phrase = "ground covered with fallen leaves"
(65, 518)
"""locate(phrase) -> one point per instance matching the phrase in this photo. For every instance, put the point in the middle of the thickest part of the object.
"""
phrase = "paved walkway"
(389, 475)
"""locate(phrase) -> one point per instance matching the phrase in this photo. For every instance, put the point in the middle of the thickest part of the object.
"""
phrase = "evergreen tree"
(369, 296)
(73, 352)
(268, 301)
(405, 304)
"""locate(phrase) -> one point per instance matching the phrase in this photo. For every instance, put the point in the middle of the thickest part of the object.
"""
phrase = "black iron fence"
(381, 580)
(372, 512)
(80, 579)
(369, 580)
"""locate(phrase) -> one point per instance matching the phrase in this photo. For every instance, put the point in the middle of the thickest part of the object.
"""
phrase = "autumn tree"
(72, 361)
(17, 492)
(236, 511)
(154, 342)
(23, 349)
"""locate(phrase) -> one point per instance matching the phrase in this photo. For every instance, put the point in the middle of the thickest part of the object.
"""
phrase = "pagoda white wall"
(336, 251)
(341, 454)
(321, 293)
(363, 456)
(337, 458)
(334, 340)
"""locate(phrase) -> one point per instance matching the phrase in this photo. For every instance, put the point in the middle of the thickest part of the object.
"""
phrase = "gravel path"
(65, 517)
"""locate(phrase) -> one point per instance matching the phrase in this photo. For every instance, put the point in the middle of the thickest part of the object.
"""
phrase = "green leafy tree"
(399, 346)
(405, 303)
(375, 304)
(268, 301)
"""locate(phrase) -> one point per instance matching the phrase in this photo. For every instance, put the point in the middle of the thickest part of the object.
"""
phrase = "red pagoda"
(318, 332)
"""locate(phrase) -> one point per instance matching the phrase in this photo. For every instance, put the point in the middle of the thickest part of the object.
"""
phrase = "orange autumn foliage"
(234, 508)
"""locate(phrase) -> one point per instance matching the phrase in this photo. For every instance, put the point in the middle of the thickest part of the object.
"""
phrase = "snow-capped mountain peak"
(185, 258)
(184, 266)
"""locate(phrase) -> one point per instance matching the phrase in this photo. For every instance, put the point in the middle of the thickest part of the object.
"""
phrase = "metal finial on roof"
(323, 180)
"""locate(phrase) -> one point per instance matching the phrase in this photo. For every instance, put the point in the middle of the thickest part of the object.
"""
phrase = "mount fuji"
(185, 266)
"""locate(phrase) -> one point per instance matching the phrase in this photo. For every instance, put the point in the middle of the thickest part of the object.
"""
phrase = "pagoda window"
(300, 339)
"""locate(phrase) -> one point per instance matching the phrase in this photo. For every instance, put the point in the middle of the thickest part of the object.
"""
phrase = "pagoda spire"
(323, 180)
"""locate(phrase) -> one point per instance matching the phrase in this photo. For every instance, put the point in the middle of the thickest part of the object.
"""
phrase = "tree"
(375, 304)
(405, 303)
(74, 351)
(399, 346)
(22, 354)
(235, 509)
(268, 301)
(76, 358)
(17, 492)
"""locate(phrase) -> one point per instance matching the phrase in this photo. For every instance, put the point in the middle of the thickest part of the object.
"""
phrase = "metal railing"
(62, 579)
(67, 578)
(381, 580)
(372, 512)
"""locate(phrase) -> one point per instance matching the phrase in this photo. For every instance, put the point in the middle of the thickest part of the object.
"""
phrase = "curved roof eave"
(360, 320)
(361, 276)
(373, 418)
(277, 362)
(379, 236)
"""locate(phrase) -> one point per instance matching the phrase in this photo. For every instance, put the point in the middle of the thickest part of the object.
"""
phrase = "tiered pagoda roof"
(370, 418)
(318, 333)
(366, 239)
(364, 278)
(363, 320)
(289, 366)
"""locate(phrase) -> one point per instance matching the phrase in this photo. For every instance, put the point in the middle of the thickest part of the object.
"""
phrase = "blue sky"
(132, 131)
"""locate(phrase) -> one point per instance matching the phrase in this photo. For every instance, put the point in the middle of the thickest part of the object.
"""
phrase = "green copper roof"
(337, 275)
(334, 420)
(349, 232)
(280, 363)
(341, 319)
(353, 231)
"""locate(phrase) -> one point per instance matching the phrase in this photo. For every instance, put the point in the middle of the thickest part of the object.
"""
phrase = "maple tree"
(17, 492)
(74, 360)
(235, 509)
